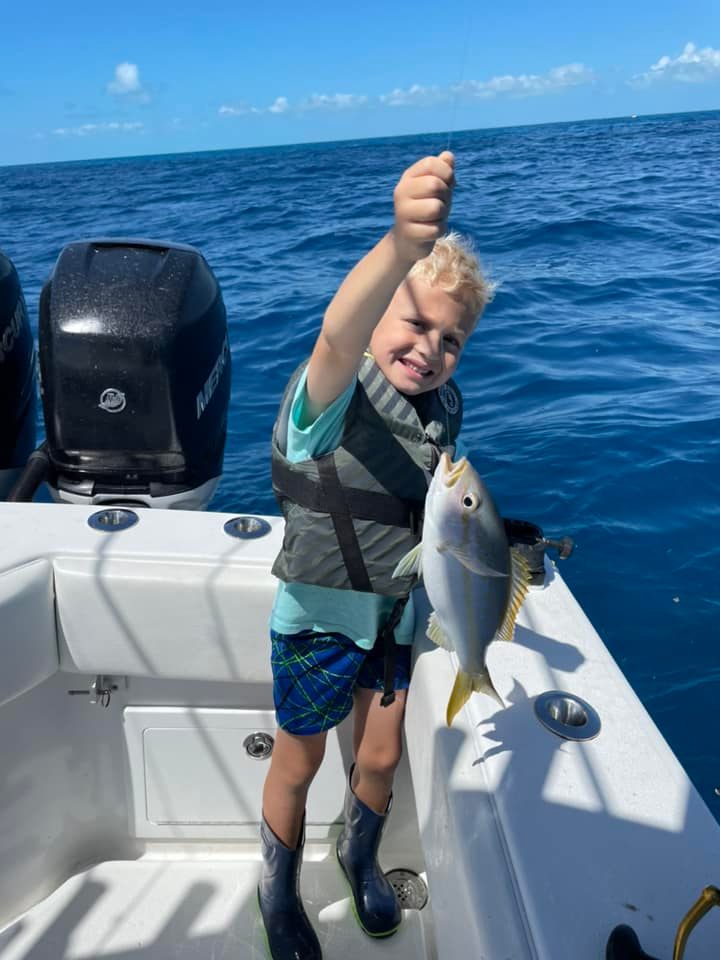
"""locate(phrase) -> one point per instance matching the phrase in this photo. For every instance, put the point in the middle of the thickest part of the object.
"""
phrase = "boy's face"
(418, 341)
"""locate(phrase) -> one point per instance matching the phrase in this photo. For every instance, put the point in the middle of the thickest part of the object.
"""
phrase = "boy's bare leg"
(377, 745)
(295, 761)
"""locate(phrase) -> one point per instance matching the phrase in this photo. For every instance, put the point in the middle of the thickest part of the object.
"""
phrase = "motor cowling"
(18, 395)
(135, 374)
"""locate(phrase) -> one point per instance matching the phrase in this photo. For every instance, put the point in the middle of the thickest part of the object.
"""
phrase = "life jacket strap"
(386, 637)
(327, 497)
(343, 525)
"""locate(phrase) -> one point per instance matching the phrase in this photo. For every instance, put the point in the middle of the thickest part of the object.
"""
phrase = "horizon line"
(312, 143)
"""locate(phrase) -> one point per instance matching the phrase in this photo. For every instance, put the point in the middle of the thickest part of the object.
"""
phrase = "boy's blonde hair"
(454, 267)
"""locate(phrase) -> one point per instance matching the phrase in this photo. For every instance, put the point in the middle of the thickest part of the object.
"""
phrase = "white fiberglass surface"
(194, 910)
(535, 846)
(588, 835)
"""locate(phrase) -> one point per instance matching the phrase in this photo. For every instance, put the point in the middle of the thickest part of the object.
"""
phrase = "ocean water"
(592, 385)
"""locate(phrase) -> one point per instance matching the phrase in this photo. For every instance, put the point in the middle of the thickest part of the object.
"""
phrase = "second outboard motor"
(18, 403)
(135, 374)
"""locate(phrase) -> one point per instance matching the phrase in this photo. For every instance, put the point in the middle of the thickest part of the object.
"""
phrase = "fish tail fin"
(465, 685)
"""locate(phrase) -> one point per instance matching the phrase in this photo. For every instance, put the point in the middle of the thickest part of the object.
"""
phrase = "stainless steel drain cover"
(410, 888)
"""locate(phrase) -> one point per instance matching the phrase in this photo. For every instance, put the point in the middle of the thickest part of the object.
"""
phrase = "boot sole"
(369, 933)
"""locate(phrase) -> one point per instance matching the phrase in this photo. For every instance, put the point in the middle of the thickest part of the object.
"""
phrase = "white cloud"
(281, 105)
(536, 84)
(691, 66)
(127, 79)
(416, 96)
(127, 83)
(87, 129)
(237, 110)
(524, 85)
(318, 101)
(335, 101)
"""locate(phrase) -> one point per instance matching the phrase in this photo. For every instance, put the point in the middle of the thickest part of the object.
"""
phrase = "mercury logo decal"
(210, 386)
(449, 399)
(112, 401)
(9, 336)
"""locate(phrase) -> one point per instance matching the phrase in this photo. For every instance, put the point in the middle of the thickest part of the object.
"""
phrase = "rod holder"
(567, 716)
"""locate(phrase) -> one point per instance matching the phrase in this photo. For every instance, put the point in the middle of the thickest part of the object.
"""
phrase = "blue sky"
(93, 79)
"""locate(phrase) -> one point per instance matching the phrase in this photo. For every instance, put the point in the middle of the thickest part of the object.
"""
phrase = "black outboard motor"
(135, 374)
(18, 396)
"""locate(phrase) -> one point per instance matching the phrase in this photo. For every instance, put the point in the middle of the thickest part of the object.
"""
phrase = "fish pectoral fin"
(520, 573)
(465, 685)
(470, 562)
(437, 634)
(410, 564)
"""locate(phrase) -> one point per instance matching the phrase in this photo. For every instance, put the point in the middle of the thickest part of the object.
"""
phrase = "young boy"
(359, 432)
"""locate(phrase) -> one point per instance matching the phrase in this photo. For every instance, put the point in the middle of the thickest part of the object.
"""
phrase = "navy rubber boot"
(376, 906)
(289, 934)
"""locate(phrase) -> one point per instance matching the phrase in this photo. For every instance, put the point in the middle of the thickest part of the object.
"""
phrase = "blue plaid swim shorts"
(315, 674)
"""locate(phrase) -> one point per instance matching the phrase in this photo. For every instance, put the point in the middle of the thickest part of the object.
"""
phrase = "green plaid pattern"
(314, 675)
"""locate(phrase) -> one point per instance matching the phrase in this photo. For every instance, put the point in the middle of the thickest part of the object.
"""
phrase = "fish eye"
(470, 501)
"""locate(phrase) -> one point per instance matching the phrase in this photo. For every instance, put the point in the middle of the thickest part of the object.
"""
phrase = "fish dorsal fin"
(411, 563)
(437, 634)
(464, 556)
(520, 573)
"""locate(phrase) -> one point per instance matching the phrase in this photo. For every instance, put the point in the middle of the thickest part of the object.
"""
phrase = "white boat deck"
(190, 910)
(534, 846)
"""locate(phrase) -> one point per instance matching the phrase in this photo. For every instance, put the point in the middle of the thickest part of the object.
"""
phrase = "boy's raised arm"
(422, 205)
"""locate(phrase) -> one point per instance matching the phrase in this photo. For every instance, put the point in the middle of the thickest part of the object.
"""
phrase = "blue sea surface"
(592, 385)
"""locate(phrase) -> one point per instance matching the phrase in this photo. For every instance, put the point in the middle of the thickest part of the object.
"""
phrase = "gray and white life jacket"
(352, 514)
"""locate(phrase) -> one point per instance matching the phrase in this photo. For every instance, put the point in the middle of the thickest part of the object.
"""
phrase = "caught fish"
(475, 582)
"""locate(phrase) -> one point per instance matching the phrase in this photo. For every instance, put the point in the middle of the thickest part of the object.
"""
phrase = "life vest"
(352, 514)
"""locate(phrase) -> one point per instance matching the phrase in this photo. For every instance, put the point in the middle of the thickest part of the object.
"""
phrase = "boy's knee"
(380, 761)
(297, 761)
(299, 781)
(295, 779)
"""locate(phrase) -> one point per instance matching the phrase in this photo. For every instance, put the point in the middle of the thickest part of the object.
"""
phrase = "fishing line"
(469, 11)
(461, 79)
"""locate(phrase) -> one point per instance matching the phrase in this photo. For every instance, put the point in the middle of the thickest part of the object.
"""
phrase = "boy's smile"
(418, 341)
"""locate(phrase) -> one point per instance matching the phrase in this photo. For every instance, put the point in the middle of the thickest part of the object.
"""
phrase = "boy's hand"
(423, 198)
